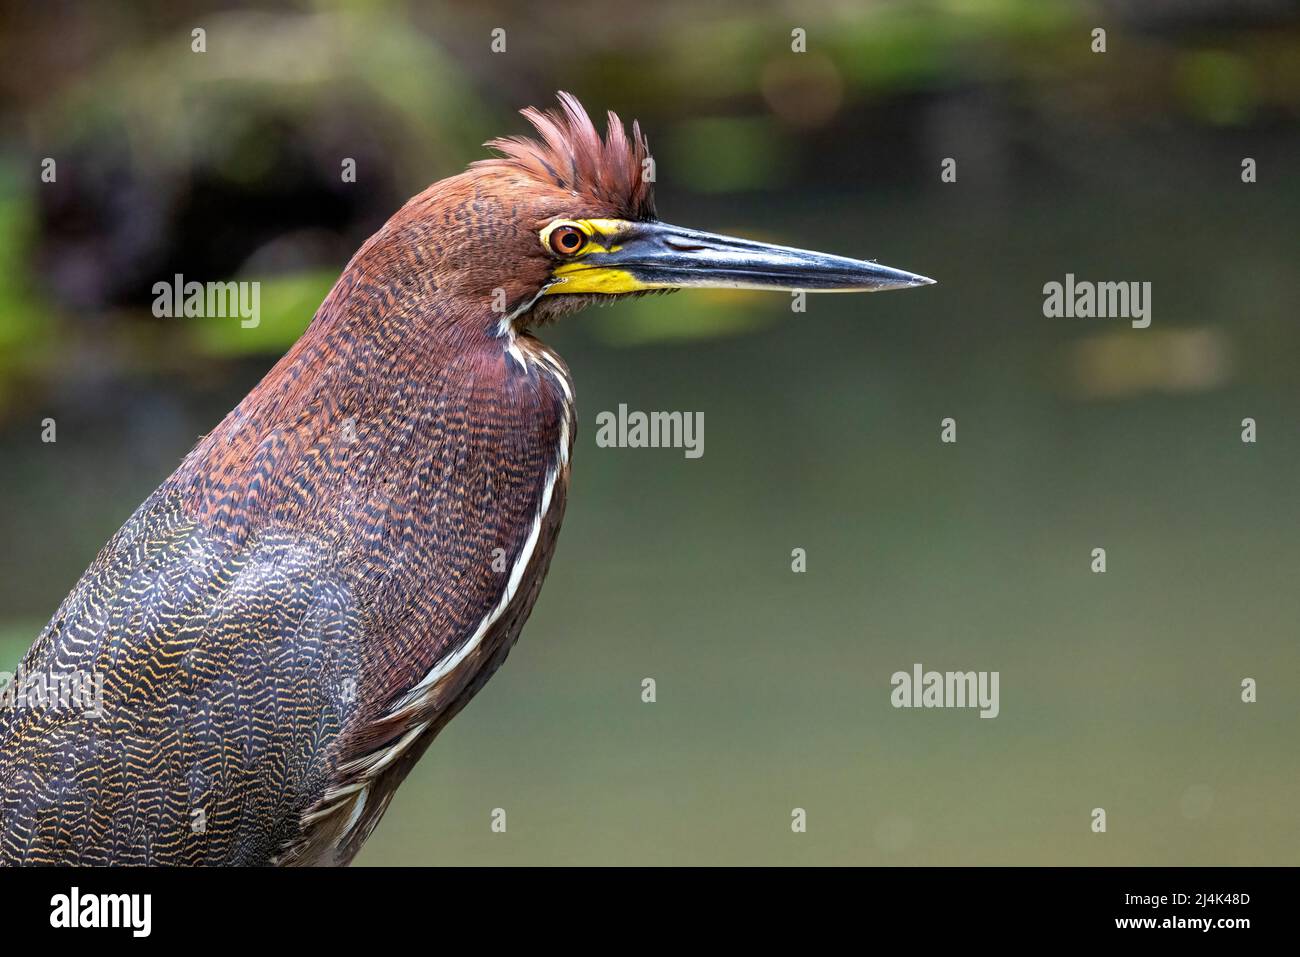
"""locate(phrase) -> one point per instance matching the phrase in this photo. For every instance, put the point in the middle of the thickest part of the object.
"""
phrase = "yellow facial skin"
(576, 276)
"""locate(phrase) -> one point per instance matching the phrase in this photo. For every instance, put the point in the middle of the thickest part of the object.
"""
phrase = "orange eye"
(567, 240)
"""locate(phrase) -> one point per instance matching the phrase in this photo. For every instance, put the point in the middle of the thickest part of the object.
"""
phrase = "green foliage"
(26, 329)
(287, 305)
(699, 314)
(1217, 86)
(725, 154)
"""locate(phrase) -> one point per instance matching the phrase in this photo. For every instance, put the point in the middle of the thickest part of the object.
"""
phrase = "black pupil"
(569, 240)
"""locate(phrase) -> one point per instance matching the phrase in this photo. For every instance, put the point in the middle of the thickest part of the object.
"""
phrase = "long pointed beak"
(660, 256)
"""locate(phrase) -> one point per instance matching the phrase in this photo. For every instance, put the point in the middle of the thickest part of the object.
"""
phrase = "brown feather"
(573, 157)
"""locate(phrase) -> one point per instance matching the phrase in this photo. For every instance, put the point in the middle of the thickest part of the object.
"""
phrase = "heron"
(282, 628)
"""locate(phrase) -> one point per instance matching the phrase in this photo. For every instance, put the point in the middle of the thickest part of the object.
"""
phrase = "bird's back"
(212, 688)
(182, 704)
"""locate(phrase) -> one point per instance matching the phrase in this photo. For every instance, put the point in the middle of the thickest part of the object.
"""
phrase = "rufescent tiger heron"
(286, 623)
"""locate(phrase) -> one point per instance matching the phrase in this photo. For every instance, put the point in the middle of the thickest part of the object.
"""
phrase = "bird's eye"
(567, 240)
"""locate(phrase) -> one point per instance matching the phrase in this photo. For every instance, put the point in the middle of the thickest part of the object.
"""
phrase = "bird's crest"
(573, 156)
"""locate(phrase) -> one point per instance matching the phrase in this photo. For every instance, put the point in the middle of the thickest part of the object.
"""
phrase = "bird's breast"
(489, 504)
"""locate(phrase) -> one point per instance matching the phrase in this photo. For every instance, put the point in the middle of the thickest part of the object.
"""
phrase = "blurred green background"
(821, 430)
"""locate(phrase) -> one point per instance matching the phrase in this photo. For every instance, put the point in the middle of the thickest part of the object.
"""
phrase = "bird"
(281, 629)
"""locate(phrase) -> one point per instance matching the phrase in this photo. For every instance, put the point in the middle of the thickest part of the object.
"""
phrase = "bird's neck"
(341, 414)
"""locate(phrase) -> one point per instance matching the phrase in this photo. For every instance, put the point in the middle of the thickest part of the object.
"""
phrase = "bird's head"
(555, 223)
